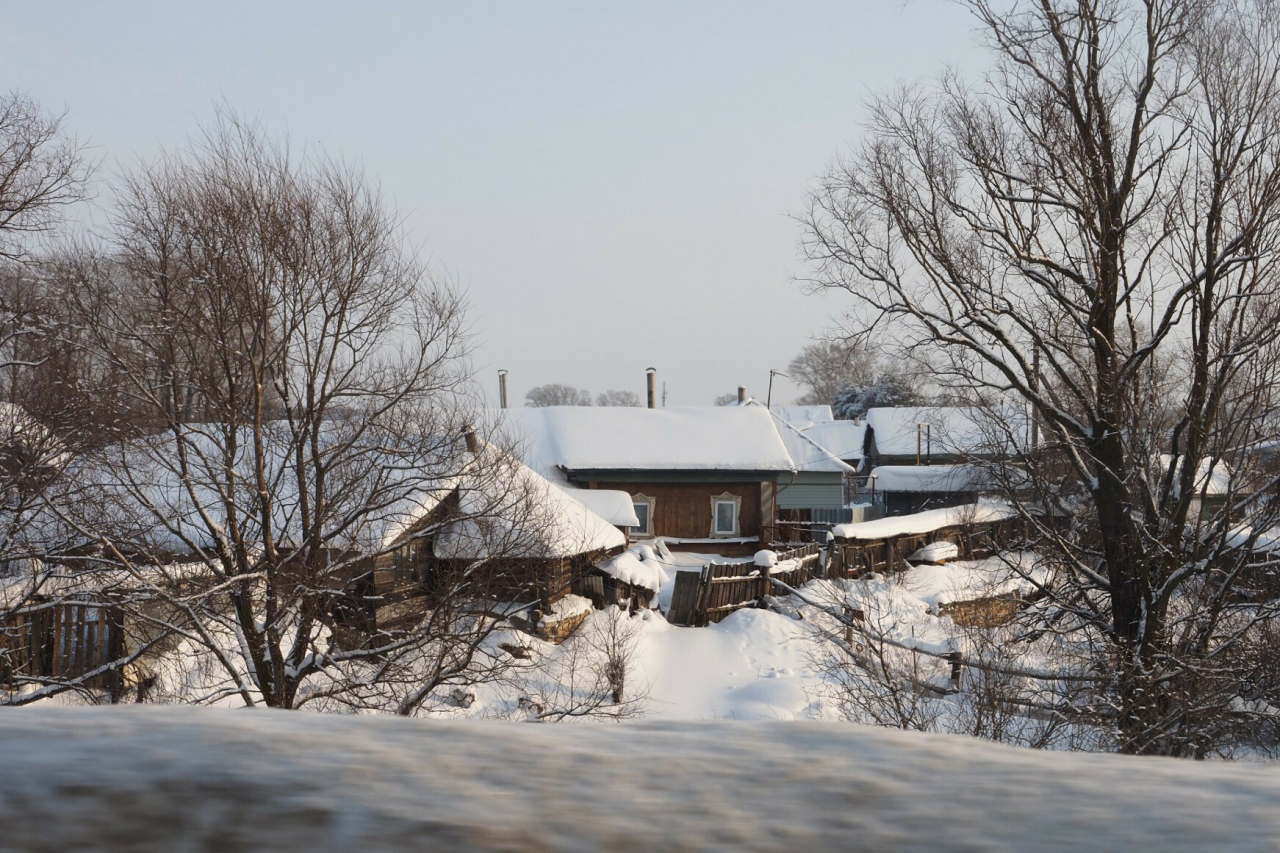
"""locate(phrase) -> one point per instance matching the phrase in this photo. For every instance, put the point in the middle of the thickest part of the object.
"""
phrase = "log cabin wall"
(683, 510)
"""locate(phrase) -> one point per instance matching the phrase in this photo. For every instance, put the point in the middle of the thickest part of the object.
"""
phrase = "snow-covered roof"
(925, 522)
(843, 438)
(953, 430)
(804, 416)
(806, 452)
(621, 438)
(1213, 477)
(385, 486)
(931, 478)
(613, 505)
(522, 515)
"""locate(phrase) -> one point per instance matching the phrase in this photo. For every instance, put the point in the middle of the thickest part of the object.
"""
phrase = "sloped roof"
(954, 430)
(931, 478)
(805, 450)
(522, 515)
(692, 438)
(803, 416)
(613, 505)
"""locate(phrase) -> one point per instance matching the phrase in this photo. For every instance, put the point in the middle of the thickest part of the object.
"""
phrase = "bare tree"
(306, 391)
(1091, 228)
(618, 398)
(42, 170)
(591, 674)
(556, 394)
(826, 368)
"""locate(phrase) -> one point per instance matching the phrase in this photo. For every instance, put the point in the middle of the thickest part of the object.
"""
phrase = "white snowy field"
(182, 779)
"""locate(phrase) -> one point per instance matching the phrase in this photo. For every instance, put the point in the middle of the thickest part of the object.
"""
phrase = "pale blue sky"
(611, 183)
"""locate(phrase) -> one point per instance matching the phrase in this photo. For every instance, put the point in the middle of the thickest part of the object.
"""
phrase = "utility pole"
(928, 447)
(768, 402)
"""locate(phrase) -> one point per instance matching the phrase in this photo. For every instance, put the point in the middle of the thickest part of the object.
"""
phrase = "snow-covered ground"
(184, 779)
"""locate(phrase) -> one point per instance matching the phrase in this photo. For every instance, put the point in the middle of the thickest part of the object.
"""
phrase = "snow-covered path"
(182, 779)
(749, 667)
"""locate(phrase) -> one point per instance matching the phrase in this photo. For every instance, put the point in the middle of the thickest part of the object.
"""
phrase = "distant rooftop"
(693, 438)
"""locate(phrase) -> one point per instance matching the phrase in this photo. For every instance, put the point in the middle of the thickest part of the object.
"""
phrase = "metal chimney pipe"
(502, 388)
(742, 394)
(651, 374)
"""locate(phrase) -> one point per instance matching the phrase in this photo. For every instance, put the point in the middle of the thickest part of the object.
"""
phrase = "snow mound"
(935, 552)
(630, 568)
(268, 781)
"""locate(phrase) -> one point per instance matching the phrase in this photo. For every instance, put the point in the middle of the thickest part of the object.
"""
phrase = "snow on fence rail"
(708, 596)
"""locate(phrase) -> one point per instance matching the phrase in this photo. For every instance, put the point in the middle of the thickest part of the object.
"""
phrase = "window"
(725, 510)
(643, 505)
(405, 566)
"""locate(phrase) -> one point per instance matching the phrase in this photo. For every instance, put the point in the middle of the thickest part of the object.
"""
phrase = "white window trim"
(651, 502)
(736, 500)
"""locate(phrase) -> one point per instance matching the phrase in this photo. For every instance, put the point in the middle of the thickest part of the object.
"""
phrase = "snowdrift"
(173, 779)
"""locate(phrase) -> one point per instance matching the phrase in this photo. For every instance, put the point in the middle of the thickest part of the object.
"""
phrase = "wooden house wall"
(683, 510)
(909, 503)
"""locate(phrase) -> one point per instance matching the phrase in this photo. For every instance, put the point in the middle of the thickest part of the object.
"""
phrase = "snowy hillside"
(182, 779)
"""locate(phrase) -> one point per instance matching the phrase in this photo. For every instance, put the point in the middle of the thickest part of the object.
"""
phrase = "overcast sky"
(611, 184)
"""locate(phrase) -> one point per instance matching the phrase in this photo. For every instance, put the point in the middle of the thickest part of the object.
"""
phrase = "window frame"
(639, 499)
(726, 498)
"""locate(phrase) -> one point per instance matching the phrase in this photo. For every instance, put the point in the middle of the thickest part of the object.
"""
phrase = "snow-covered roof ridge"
(807, 453)
(688, 438)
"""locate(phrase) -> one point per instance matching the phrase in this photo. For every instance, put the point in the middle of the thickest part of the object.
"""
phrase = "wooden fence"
(857, 557)
(62, 641)
(705, 597)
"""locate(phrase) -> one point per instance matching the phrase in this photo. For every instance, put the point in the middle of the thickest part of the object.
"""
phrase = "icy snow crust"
(693, 438)
(273, 781)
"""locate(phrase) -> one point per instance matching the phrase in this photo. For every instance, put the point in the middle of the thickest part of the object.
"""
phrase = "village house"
(703, 478)
(927, 457)
(813, 498)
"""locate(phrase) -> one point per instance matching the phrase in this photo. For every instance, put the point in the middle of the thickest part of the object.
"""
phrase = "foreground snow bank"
(176, 779)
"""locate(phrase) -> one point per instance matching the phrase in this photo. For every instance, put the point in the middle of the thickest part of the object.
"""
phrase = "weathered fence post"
(956, 663)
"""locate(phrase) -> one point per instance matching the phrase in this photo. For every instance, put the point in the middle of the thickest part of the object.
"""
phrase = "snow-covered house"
(404, 521)
(705, 476)
(1212, 485)
(908, 489)
(536, 540)
(815, 493)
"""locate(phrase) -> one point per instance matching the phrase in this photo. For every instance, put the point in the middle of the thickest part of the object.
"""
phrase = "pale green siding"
(811, 491)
